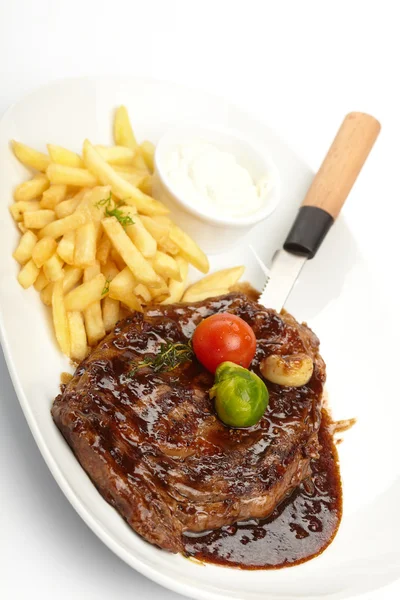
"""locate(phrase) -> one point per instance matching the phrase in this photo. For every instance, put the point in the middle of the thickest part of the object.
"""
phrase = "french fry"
(44, 249)
(23, 251)
(53, 268)
(67, 207)
(77, 332)
(41, 281)
(116, 155)
(110, 270)
(30, 157)
(93, 316)
(28, 274)
(122, 289)
(62, 156)
(138, 233)
(159, 230)
(97, 201)
(146, 185)
(66, 247)
(166, 266)
(85, 245)
(136, 179)
(160, 292)
(120, 188)
(139, 162)
(85, 294)
(110, 308)
(117, 259)
(72, 276)
(204, 294)
(18, 209)
(46, 294)
(123, 133)
(143, 292)
(141, 269)
(22, 227)
(103, 250)
(147, 150)
(29, 190)
(60, 318)
(189, 249)
(70, 176)
(223, 279)
(38, 218)
(177, 288)
(53, 196)
(61, 226)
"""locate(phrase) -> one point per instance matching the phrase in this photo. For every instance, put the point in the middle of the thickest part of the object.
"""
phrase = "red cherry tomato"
(223, 337)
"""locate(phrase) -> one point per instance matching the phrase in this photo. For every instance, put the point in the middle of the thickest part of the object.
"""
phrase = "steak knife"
(321, 205)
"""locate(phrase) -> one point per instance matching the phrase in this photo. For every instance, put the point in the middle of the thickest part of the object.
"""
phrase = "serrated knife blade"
(284, 271)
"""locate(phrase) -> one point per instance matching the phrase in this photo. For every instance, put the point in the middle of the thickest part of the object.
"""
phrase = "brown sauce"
(300, 528)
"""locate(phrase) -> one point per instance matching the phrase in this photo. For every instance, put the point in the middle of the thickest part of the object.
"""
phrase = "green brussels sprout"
(241, 397)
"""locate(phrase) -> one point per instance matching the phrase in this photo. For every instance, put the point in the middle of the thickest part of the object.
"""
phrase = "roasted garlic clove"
(293, 370)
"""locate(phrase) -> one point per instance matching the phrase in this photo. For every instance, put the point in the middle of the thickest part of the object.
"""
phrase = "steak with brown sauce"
(152, 443)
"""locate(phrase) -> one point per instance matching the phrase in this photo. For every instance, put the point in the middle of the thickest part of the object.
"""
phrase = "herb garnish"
(106, 287)
(125, 220)
(169, 357)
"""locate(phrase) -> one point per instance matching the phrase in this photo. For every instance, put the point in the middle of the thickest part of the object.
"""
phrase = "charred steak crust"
(152, 444)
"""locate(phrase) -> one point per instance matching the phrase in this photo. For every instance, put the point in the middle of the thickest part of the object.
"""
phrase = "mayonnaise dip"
(213, 181)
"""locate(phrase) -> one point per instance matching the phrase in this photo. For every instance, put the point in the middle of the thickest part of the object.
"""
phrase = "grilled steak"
(152, 443)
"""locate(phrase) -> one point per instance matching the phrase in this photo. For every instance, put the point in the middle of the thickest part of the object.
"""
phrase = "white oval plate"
(331, 296)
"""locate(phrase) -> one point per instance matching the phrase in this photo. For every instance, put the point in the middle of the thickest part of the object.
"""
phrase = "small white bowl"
(214, 233)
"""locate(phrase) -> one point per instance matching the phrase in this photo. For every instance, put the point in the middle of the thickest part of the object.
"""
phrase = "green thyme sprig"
(106, 287)
(125, 220)
(169, 357)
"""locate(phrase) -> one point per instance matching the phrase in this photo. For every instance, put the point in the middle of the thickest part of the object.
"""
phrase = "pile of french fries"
(96, 245)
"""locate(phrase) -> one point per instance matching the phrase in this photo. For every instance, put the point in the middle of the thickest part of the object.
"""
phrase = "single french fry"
(117, 259)
(94, 323)
(223, 279)
(53, 268)
(189, 249)
(110, 313)
(103, 250)
(139, 162)
(138, 233)
(34, 188)
(44, 249)
(93, 316)
(141, 269)
(146, 185)
(143, 292)
(147, 150)
(116, 155)
(62, 156)
(38, 218)
(123, 132)
(122, 289)
(18, 209)
(46, 294)
(22, 227)
(30, 157)
(28, 274)
(120, 188)
(53, 196)
(67, 207)
(77, 332)
(61, 226)
(23, 251)
(41, 281)
(85, 294)
(70, 176)
(177, 288)
(66, 247)
(85, 245)
(60, 318)
(204, 294)
(72, 276)
(166, 266)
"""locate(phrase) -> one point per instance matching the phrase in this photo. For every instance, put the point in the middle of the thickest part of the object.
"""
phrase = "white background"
(300, 66)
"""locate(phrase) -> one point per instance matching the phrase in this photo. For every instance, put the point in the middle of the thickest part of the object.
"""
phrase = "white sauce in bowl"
(212, 180)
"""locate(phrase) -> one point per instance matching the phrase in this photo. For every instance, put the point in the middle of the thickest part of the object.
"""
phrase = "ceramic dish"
(331, 295)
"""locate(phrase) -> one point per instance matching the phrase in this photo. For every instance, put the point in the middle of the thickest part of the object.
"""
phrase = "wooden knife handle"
(332, 183)
(343, 163)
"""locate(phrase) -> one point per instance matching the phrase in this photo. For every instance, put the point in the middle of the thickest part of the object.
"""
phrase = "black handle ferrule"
(308, 231)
